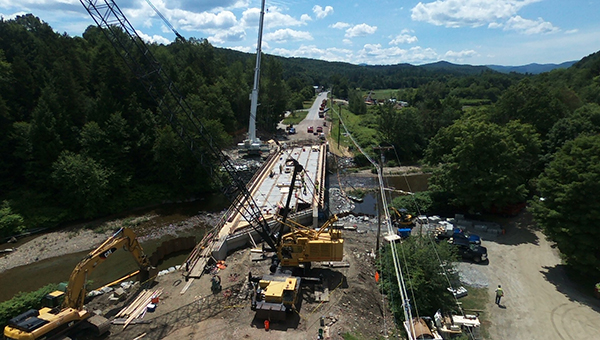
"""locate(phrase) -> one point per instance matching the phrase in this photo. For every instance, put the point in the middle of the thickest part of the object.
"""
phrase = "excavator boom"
(124, 238)
(49, 321)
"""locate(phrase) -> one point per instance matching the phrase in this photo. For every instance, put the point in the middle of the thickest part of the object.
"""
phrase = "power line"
(397, 267)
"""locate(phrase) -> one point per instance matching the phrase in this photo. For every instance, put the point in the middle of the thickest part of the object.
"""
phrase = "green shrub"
(23, 302)
(10, 223)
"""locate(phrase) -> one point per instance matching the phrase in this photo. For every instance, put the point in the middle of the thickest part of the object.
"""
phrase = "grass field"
(295, 117)
(382, 94)
(475, 302)
(361, 127)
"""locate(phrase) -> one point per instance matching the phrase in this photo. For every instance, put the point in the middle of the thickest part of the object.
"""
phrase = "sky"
(377, 32)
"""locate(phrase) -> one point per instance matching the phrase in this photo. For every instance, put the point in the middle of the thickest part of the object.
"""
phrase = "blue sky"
(477, 32)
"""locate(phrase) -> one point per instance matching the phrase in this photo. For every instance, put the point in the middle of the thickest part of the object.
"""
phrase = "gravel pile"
(471, 276)
(339, 203)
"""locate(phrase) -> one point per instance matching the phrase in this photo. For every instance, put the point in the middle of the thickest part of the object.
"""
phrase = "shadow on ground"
(518, 230)
(188, 315)
(574, 291)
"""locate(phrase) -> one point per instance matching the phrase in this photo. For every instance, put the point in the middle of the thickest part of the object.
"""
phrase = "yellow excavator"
(64, 310)
(403, 219)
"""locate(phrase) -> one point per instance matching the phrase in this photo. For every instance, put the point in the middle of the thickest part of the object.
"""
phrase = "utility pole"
(381, 149)
(339, 125)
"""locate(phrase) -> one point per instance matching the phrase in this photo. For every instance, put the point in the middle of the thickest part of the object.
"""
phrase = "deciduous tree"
(568, 204)
(484, 164)
(423, 275)
(83, 183)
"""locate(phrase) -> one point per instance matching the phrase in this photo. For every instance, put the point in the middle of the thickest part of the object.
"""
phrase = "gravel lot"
(540, 302)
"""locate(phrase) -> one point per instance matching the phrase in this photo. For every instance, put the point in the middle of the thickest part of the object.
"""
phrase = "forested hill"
(531, 68)
(345, 76)
(79, 137)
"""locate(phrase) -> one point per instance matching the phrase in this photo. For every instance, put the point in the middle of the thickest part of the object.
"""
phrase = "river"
(409, 183)
(57, 269)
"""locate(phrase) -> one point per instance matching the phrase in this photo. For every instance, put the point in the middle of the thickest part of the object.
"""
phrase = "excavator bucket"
(148, 275)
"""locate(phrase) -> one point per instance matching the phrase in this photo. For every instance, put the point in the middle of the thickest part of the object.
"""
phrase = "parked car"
(292, 130)
(459, 233)
(319, 129)
(310, 129)
(469, 251)
(465, 235)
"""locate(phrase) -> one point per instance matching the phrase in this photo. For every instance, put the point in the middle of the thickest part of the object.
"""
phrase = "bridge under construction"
(269, 187)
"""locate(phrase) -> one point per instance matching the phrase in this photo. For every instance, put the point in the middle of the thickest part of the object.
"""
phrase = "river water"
(409, 183)
(33, 276)
(57, 269)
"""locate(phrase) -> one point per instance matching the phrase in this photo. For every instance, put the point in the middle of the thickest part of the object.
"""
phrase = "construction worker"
(215, 284)
(499, 294)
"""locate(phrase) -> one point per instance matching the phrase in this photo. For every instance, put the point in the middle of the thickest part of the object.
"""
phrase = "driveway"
(539, 301)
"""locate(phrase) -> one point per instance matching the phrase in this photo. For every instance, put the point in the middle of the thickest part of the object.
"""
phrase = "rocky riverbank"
(76, 239)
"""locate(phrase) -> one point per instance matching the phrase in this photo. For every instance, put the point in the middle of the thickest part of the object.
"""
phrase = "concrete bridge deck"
(269, 188)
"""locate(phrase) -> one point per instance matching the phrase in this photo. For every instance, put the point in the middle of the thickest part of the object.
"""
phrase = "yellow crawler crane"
(64, 310)
(303, 245)
(276, 294)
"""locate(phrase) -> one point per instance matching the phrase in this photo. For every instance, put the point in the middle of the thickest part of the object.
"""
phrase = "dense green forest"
(80, 138)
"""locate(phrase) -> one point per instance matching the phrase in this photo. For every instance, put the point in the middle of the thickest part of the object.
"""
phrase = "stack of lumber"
(138, 306)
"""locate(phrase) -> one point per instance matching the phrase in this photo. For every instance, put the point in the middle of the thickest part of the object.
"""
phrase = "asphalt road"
(312, 119)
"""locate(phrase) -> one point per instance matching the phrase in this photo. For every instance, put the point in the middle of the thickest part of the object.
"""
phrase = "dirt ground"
(539, 302)
(355, 305)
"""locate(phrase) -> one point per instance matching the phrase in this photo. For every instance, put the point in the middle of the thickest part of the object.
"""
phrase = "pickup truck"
(458, 233)
(468, 250)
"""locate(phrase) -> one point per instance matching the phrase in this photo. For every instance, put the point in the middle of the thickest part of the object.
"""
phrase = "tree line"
(536, 139)
(79, 137)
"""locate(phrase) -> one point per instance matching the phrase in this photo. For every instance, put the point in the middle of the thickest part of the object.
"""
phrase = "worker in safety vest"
(499, 294)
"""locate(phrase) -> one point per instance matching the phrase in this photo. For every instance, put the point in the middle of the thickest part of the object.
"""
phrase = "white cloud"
(273, 18)
(360, 30)
(572, 31)
(374, 54)
(322, 13)
(12, 16)
(404, 39)
(311, 51)
(284, 35)
(460, 55)
(305, 18)
(460, 13)
(232, 34)
(246, 49)
(526, 26)
(153, 39)
(199, 21)
(340, 25)
(347, 41)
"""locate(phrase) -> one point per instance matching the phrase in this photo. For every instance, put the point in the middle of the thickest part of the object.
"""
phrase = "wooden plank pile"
(138, 307)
